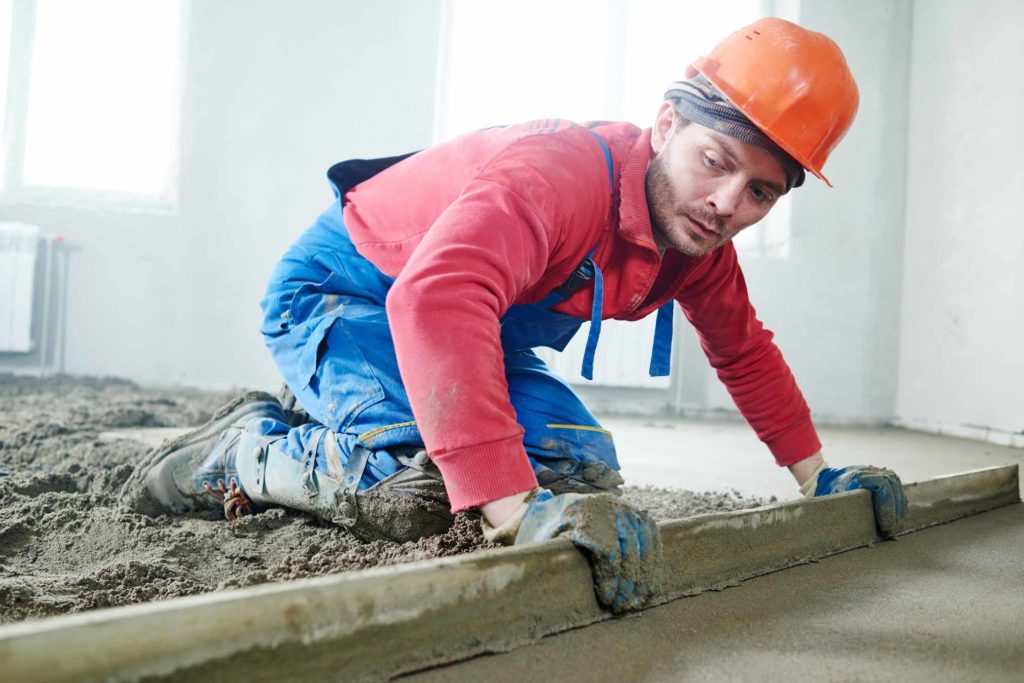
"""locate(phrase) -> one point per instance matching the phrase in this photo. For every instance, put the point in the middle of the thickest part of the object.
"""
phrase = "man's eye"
(760, 195)
(713, 163)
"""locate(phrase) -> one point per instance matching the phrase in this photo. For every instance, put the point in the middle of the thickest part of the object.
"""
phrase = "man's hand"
(887, 497)
(623, 544)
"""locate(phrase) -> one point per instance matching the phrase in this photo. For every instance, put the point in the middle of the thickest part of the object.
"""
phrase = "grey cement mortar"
(942, 604)
(66, 546)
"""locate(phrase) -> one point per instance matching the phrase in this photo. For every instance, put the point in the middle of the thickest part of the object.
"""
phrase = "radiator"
(19, 248)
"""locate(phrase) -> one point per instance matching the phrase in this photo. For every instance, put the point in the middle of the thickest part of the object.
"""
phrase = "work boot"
(222, 464)
(406, 506)
(198, 469)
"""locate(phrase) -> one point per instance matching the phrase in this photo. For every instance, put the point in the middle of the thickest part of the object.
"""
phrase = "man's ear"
(662, 126)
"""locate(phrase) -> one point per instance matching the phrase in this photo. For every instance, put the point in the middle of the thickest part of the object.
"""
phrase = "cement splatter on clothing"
(67, 546)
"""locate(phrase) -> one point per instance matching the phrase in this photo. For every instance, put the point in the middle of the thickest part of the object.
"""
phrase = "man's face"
(703, 187)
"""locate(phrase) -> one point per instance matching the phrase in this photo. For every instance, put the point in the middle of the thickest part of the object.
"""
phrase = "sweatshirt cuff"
(479, 474)
(796, 443)
(810, 487)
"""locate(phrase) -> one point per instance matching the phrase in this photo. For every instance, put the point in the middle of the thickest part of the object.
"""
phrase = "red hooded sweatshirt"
(504, 215)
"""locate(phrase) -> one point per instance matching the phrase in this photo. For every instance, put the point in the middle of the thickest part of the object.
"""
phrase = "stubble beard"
(661, 203)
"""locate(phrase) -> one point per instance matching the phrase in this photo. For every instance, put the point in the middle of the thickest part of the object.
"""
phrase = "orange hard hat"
(792, 83)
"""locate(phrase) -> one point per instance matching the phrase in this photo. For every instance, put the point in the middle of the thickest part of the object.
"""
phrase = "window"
(97, 111)
(504, 61)
(6, 10)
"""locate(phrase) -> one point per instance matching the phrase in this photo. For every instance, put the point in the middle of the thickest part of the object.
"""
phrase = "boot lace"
(232, 497)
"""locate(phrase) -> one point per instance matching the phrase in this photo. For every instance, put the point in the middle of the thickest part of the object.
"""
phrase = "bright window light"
(662, 38)
(6, 7)
(103, 96)
(508, 61)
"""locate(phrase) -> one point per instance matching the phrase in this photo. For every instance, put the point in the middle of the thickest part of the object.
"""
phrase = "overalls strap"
(661, 354)
(596, 308)
(595, 321)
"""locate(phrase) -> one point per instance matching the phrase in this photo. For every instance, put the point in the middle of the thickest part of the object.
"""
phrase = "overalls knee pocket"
(315, 351)
(340, 380)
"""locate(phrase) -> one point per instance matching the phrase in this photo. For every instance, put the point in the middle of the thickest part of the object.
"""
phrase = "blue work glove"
(623, 544)
(886, 489)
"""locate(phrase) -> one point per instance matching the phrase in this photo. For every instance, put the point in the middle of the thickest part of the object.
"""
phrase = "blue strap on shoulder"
(598, 305)
(595, 321)
(607, 159)
(661, 354)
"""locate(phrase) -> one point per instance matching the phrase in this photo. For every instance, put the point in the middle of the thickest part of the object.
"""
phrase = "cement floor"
(712, 456)
(942, 604)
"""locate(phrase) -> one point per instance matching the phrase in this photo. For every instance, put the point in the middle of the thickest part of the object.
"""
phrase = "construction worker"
(403, 320)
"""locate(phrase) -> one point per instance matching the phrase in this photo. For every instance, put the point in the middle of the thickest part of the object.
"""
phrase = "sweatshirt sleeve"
(482, 253)
(746, 359)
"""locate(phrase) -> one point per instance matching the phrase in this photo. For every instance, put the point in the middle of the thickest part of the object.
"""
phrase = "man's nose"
(725, 197)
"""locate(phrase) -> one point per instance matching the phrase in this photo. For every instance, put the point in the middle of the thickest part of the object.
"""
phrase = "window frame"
(15, 192)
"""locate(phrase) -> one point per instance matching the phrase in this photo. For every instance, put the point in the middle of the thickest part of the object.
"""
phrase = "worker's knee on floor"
(406, 506)
(575, 477)
(578, 458)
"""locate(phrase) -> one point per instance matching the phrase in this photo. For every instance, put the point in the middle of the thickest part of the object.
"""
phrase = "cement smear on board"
(66, 545)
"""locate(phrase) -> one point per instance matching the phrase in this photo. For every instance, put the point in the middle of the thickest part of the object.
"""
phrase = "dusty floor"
(66, 545)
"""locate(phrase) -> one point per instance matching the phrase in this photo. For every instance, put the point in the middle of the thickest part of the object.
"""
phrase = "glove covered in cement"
(885, 486)
(622, 543)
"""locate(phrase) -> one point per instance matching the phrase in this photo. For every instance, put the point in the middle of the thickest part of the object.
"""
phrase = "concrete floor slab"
(376, 623)
(943, 604)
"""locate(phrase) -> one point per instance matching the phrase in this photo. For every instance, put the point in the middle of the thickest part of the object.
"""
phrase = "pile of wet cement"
(67, 546)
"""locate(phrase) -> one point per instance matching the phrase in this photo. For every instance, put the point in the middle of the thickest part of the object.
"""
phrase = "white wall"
(275, 93)
(961, 368)
(834, 302)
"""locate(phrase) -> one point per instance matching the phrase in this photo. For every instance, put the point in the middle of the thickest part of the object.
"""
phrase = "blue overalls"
(325, 324)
